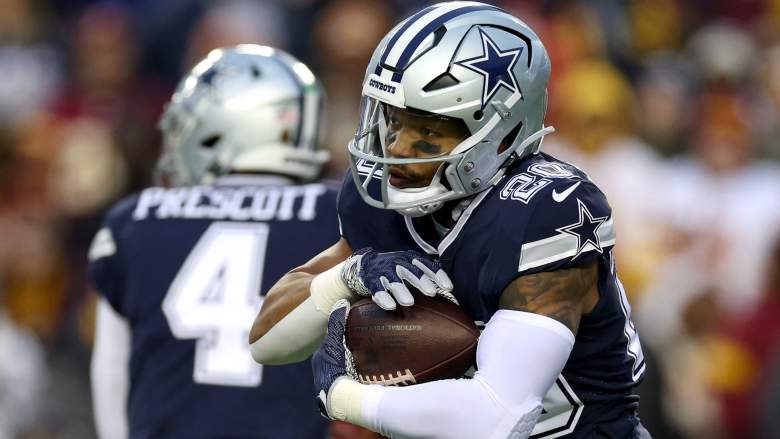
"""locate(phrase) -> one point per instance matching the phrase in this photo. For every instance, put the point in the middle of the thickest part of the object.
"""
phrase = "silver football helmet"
(249, 108)
(468, 62)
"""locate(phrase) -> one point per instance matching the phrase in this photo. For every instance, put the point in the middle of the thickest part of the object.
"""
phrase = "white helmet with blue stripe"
(245, 109)
(468, 62)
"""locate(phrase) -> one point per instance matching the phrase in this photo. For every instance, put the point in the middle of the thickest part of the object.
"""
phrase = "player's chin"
(402, 181)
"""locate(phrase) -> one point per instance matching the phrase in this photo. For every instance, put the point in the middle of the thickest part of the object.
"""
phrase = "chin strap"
(395, 195)
(519, 150)
(438, 188)
(539, 135)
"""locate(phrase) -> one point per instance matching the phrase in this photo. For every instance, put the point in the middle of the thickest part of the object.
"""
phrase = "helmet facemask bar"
(370, 152)
(176, 124)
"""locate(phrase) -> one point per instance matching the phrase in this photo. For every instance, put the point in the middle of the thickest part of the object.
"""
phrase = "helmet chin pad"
(409, 196)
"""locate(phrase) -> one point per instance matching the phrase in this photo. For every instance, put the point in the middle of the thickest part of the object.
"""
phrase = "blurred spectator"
(31, 67)
(594, 104)
(344, 36)
(530, 12)
(747, 12)
(769, 411)
(722, 209)
(723, 205)
(22, 378)
(231, 22)
(31, 262)
(656, 25)
(108, 89)
(6, 153)
(664, 94)
(684, 363)
(768, 116)
(723, 52)
(98, 135)
(723, 214)
(743, 351)
(72, 159)
(571, 34)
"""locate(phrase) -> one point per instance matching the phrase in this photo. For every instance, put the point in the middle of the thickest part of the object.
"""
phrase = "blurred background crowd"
(671, 106)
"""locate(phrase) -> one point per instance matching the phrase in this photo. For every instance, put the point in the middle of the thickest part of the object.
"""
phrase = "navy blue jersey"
(187, 268)
(543, 215)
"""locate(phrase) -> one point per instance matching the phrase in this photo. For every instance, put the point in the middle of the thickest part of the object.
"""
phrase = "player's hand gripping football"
(333, 360)
(381, 275)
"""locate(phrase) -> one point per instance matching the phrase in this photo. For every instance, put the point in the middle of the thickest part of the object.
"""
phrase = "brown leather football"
(430, 340)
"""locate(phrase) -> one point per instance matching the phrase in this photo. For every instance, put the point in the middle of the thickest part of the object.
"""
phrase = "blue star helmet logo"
(495, 66)
(209, 75)
(586, 230)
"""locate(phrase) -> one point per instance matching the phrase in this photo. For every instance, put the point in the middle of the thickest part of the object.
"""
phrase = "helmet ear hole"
(510, 138)
(442, 81)
(211, 141)
(478, 115)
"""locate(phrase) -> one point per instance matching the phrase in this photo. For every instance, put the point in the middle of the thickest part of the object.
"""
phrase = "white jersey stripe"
(545, 251)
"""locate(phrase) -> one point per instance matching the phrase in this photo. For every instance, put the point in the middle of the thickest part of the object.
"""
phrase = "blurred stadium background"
(672, 106)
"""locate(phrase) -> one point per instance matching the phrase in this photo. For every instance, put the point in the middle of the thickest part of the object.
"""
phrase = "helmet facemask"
(177, 125)
(411, 151)
(394, 144)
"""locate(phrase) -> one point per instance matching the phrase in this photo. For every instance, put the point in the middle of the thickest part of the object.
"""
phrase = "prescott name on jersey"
(187, 268)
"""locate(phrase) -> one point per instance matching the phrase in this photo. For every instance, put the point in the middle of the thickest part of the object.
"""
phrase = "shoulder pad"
(553, 214)
(570, 224)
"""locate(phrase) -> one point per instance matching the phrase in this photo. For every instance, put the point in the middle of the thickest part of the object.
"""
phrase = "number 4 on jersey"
(214, 299)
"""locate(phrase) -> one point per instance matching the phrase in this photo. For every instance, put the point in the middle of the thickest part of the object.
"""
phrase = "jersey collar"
(450, 237)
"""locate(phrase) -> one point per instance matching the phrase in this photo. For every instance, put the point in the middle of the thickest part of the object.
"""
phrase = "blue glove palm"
(333, 360)
(383, 276)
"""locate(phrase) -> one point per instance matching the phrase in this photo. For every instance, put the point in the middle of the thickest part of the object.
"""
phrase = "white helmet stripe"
(401, 53)
(402, 28)
(392, 53)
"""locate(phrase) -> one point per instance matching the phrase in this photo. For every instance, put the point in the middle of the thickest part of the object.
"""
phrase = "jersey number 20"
(214, 299)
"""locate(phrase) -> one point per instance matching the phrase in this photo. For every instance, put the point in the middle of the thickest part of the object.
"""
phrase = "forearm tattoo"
(556, 294)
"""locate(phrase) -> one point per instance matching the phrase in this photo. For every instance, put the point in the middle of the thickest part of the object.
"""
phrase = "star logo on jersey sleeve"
(586, 230)
(495, 65)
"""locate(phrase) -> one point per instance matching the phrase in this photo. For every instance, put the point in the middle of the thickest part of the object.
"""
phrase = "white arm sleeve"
(293, 338)
(298, 334)
(110, 372)
(519, 356)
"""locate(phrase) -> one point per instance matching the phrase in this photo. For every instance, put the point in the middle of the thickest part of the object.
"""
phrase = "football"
(430, 340)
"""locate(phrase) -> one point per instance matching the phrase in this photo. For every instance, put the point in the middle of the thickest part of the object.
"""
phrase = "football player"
(450, 194)
(181, 270)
